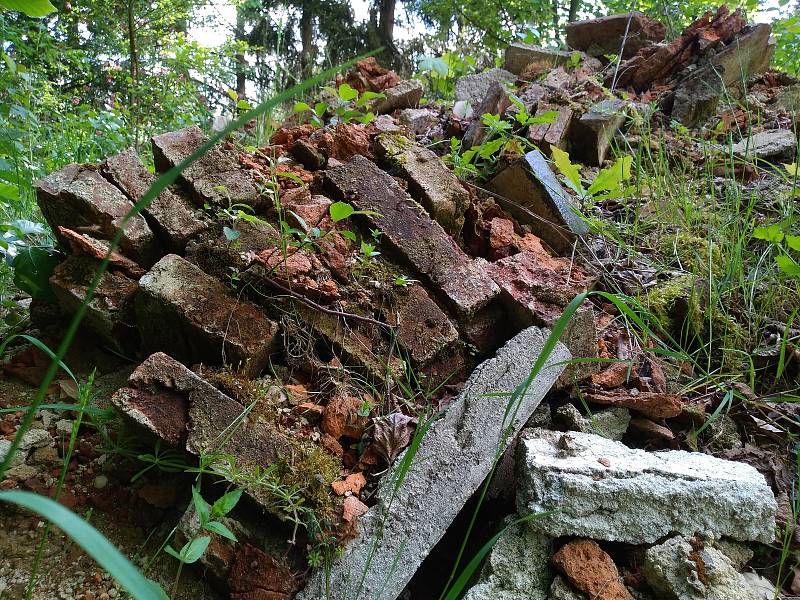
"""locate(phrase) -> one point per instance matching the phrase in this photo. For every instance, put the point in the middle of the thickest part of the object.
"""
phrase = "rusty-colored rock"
(84, 244)
(656, 405)
(256, 575)
(195, 317)
(342, 419)
(591, 570)
(352, 483)
(613, 376)
(353, 508)
(409, 231)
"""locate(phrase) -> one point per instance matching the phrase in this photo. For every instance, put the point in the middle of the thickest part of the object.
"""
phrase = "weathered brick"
(406, 94)
(215, 178)
(538, 199)
(429, 180)
(82, 200)
(409, 230)
(198, 319)
(592, 133)
(519, 56)
(176, 405)
(110, 313)
(553, 134)
(170, 215)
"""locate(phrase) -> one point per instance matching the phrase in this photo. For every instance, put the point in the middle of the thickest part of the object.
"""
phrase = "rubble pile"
(300, 311)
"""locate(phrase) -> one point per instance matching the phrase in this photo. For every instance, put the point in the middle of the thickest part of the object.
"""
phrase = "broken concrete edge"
(602, 489)
(419, 499)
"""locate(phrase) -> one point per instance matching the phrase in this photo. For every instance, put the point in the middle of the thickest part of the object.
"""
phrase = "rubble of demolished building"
(256, 310)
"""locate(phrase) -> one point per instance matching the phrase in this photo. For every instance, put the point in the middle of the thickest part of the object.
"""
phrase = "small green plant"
(609, 182)
(348, 106)
(441, 72)
(786, 245)
(209, 516)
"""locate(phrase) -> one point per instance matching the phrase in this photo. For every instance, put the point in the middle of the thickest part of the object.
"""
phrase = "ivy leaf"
(347, 92)
(773, 233)
(340, 211)
(793, 241)
(787, 265)
(31, 8)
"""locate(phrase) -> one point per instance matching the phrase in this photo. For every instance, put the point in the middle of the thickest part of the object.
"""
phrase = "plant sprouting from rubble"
(441, 72)
(209, 517)
(784, 244)
(610, 183)
(348, 105)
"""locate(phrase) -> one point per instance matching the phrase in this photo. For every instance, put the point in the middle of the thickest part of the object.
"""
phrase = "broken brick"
(353, 508)
(352, 483)
(656, 405)
(591, 570)
(197, 318)
(429, 180)
(553, 134)
(215, 178)
(538, 199)
(342, 419)
(80, 199)
(170, 215)
(109, 315)
(592, 133)
(405, 94)
(412, 234)
(82, 244)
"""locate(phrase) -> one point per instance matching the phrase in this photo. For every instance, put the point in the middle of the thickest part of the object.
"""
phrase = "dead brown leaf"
(392, 434)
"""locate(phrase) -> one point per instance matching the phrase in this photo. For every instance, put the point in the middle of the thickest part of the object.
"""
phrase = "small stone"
(351, 484)
(22, 472)
(100, 482)
(64, 426)
(44, 455)
(308, 155)
(591, 570)
(591, 135)
(611, 423)
(353, 508)
(35, 438)
(561, 590)
(405, 94)
(772, 145)
(420, 120)
(520, 56)
(5, 446)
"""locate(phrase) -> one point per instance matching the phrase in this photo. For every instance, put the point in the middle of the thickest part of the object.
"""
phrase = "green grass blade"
(91, 540)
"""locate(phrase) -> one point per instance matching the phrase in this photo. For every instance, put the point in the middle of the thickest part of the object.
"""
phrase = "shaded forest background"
(98, 76)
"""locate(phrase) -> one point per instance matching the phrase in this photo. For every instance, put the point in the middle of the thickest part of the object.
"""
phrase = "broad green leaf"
(32, 270)
(347, 234)
(220, 529)
(611, 178)
(32, 8)
(226, 503)
(772, 233)
(301, 107)
(347, 92)
(193, 550)
(787, 265)
(90, 540)
(9, 192)
(340, 211)
(792, 169)
(793, 241)
(570, 172)
(545, 117)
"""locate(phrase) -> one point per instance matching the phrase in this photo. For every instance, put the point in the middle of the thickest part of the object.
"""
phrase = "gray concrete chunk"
(197, 318)
(592, 134)
(405, 94)
(80, 199)
(416, 237)
(538, 199)
(773, 144)
(604, 490)
(170, 215)
(473, 88)
(454, 458)
(429, 180)
(215, 178)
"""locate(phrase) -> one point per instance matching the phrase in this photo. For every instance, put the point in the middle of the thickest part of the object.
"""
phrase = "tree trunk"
(556, 27)
(307, 40)
(574, 7)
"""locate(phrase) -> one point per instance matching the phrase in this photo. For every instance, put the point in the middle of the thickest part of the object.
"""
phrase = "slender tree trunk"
(240, 60)
(133, 53)
(386, 23)
(574, 7)
(556, 26)
(307, 40)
